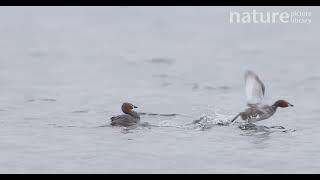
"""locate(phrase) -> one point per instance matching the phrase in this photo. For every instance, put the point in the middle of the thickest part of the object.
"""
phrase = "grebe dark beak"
(291, 105)
(135, 106)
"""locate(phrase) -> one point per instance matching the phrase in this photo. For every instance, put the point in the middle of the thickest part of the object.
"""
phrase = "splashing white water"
(207, 121)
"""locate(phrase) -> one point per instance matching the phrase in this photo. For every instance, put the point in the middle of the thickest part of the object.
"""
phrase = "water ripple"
(160, 61)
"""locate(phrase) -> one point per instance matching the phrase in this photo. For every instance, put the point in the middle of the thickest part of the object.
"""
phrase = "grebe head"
(282, 103)
(127, 107)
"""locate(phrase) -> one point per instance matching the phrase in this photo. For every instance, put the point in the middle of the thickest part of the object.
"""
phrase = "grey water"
(64, 71)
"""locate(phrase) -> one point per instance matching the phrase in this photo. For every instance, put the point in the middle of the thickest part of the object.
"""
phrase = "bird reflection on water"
(251, 129)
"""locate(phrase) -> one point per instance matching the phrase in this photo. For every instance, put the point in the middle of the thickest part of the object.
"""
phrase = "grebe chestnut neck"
(129, 117)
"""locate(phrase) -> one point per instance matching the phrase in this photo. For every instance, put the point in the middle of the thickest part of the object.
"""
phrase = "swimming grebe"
(128, 119)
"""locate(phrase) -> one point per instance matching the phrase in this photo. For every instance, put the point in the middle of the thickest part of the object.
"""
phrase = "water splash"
(208, 121)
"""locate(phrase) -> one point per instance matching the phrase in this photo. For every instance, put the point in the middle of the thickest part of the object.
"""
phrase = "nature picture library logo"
(254, 16)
